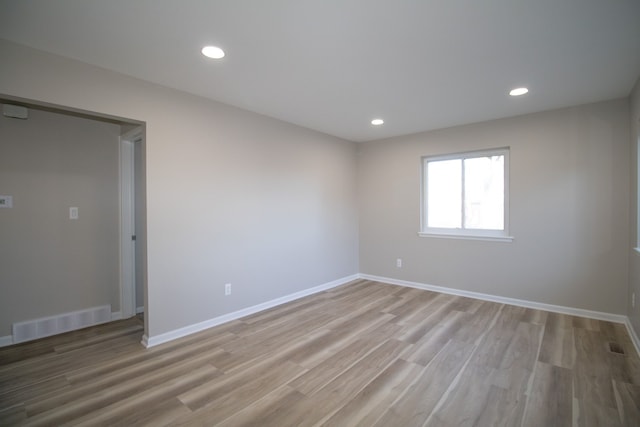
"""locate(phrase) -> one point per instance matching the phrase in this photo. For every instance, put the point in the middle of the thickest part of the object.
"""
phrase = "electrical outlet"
(227, 289)
(399, 262)
(6, 201)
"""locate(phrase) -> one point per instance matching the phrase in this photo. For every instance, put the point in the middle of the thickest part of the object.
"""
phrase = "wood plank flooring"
(363, 354)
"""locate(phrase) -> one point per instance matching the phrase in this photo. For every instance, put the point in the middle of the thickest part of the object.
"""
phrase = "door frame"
(127, 223)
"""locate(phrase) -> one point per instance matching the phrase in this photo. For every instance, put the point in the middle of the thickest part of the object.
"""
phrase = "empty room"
(310, 213)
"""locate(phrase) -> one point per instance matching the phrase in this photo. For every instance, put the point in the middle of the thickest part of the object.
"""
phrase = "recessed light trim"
(377, 122)
(518, 91)
(213, 52)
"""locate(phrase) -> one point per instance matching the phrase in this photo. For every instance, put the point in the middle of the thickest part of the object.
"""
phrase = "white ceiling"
(333, 65)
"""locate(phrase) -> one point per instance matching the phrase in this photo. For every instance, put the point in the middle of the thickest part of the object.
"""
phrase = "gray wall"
(235, 197)
(634, 257)
(232, 196)
(49, 263)
(569, 209)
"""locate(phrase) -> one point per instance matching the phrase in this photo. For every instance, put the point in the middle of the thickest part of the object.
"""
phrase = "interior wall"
(51, 264)
(634, 257)
(235, 197)
(569, 208)
(231, 196)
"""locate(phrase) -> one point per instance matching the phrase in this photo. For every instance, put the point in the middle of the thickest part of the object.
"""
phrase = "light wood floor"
(363, 354)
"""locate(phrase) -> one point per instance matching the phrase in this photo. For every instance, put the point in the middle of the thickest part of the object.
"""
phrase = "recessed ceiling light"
(377, 122)
(213, 52)
(518, 91)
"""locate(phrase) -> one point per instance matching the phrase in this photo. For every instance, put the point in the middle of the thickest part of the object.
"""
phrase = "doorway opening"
(71, 174)
(132, 224)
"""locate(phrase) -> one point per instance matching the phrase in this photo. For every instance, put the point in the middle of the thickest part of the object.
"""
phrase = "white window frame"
(465, 233)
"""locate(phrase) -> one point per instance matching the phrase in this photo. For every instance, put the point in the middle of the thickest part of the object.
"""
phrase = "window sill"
(508, 239)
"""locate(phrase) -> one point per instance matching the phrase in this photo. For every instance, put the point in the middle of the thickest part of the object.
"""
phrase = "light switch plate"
(73, 213)
(6, 201)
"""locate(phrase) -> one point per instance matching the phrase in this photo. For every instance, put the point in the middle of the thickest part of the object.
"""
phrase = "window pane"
(484, 193)
(444, 194)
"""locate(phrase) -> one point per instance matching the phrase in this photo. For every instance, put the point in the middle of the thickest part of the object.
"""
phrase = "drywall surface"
(51, 264)
(231, 196)
(569, 178)
(634, 257)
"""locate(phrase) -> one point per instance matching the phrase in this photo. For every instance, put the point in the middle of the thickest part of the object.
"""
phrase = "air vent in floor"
(614, 347)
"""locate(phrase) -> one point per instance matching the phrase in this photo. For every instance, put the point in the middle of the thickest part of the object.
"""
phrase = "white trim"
(633, 335)
(116, 315)
(599, 315)
(127, 226)
(637, 192)
(466, 237)
(197, 327)
(140, 309)
(6, 340)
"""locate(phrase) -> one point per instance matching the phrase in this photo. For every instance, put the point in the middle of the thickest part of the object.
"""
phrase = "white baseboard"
(191, 329)
(117, 315)
(616, 318)
(598, 315)
(633, 335)
(181, 332)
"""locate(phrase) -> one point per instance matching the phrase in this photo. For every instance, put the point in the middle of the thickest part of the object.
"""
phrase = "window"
(466, 195)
